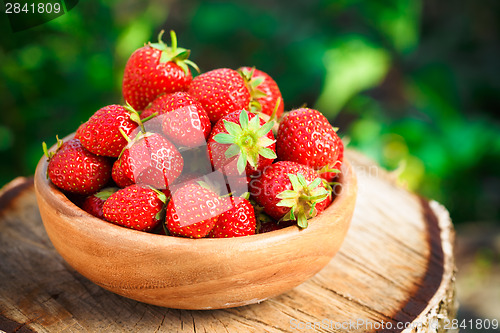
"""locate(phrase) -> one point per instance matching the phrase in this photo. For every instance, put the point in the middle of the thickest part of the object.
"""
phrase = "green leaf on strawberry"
(248, 140)
(173, 53)
(302, 199)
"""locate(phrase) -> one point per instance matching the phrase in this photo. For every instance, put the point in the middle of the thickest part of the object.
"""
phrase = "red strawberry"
(155, 69)
(266, 93)
(220, 91)
(74, 169)
(135, 207)
(94, 202)
(101, 134)
(119, 176)
(184, 121)
(241, 141)
(237, 221)
(193, 211)
(305, 136)
(150, 159)
(290, 191)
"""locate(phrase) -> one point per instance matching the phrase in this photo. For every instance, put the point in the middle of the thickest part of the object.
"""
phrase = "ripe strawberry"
(150, 159)
(266, 93)
(74, 169)
(155, 69)
(94, 202)
(305, 136)
(118, 175)
(241, 141)
(136, 207)
(239, 220)
(193, 211)
(290, 191)
(184, 121)
(101, 134)
(220, 91)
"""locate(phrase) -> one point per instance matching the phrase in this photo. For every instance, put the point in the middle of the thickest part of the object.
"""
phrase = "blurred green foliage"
(413, 84)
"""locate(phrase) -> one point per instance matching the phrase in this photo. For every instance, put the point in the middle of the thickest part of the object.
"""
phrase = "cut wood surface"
(394, 273)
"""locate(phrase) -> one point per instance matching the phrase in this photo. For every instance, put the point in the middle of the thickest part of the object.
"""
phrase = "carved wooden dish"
(193, 273)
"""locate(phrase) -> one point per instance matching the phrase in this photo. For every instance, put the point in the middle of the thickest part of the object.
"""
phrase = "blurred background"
(414, 84)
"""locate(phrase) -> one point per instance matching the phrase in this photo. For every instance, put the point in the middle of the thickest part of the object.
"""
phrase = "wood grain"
(396, 265)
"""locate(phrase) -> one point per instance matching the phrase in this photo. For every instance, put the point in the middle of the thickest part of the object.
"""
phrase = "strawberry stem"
(174, 53)
(173, 40)
(149, 117)
(275, 111)
(135, 117)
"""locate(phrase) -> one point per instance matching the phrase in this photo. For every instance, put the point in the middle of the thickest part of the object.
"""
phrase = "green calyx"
(253, 84)
(302, 199)
(50, 154)
(248, 140)
(174, 53)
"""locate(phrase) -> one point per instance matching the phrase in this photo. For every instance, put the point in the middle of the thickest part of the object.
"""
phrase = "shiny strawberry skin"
(184, 121)
(152, 160)
(217, 150)
(101, 133)
(220, 91)
(119, 176)
(305, 136)
(135, 207)
(271, 90)
(275, 180)
(146, 77)
(237, 221)
(74, 169)
(193, 211)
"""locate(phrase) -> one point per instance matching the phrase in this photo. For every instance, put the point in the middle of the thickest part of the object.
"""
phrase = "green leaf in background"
(352, 65)
(398, 20)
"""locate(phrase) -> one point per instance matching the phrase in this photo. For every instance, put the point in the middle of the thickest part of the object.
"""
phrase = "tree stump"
(394, 273)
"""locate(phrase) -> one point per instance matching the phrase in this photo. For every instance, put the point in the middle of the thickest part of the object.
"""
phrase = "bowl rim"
(47, 190)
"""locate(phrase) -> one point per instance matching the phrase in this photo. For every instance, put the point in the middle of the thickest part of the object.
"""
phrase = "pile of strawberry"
(210, 156)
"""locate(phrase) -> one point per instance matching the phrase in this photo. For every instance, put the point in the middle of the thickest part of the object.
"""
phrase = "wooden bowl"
(193, 273)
